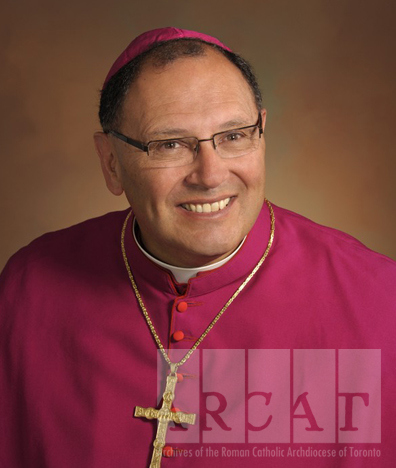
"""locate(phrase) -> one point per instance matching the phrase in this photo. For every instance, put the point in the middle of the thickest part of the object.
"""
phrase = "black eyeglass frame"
(145, 147)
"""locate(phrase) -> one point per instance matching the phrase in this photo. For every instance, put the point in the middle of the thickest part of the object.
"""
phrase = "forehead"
(185, 90)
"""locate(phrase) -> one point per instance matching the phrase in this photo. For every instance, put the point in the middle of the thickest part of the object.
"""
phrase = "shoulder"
(84, 243)
(306, 240)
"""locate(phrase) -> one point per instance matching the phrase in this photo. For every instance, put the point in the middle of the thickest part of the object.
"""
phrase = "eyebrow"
(183, 132)
(169, 132)
(235, 123)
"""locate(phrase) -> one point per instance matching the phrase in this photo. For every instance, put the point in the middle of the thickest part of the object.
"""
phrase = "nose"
(208, 170)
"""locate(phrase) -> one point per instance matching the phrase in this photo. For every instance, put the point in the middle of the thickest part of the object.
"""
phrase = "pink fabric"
(141, 43)
(77, 356)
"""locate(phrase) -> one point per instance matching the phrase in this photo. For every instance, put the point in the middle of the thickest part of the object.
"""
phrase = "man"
(290, 324)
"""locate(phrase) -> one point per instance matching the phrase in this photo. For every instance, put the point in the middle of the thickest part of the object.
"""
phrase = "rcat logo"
(277, 396)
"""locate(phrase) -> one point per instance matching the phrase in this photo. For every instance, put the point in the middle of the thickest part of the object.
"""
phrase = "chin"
(216, 251)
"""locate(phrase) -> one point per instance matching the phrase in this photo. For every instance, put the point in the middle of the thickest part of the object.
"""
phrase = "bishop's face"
(197, 97)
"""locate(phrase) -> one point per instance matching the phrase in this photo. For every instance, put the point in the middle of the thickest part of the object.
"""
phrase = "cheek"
(259, 169)
(148, 191)
(252, 173)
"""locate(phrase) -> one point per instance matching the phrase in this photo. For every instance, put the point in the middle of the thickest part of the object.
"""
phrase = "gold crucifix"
(164, 415)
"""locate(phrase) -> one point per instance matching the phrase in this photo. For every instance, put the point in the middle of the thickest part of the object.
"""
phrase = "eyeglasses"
(175, 152)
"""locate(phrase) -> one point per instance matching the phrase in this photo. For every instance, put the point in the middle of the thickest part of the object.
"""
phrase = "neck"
(181, 273)
(198, 261)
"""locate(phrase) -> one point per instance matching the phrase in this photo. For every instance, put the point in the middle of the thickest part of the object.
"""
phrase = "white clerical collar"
(182, 275)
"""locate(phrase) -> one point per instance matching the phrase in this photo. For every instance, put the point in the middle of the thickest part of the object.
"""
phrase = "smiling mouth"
(206, 207)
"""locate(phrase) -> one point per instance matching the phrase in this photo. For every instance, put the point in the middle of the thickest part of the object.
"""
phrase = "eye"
(169, 145)
(232, 136)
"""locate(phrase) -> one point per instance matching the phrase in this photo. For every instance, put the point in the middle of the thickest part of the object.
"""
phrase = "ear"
(263, 113)
(109, 163)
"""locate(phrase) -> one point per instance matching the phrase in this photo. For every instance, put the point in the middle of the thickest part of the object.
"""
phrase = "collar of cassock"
(150, 273)
(182, 275)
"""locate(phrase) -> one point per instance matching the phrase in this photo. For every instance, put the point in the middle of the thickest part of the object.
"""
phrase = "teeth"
(207, 207)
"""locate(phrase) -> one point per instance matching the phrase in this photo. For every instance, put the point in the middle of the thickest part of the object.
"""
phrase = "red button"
(175, 410)
(180, 377)
(178, 335)
(167, 451)
(182, 306)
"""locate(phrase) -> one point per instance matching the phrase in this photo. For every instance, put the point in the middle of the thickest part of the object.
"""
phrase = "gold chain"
(214, 321)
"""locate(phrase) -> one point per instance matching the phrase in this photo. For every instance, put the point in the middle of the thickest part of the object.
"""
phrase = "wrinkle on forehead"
(172, 132)
(203, 93)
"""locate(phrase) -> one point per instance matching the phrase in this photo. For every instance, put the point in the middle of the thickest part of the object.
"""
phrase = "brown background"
(327, 70)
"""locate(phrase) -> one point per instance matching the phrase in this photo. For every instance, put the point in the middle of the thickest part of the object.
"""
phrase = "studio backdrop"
(328, 77)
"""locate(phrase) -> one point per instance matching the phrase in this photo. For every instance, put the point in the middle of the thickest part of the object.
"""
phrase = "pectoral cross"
(164, 415)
